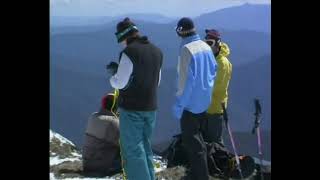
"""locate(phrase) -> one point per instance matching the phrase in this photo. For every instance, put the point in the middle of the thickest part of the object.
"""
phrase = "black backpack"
(221, 163)
(217, 155)
(175, 154)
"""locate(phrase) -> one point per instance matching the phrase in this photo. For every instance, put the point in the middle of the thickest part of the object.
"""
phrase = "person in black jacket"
(137, 77)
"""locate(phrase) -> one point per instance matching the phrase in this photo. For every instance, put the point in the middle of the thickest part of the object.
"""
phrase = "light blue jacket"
(196, 74)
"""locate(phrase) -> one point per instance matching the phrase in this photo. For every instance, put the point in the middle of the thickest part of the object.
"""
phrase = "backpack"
(175, 153)
(221, 163)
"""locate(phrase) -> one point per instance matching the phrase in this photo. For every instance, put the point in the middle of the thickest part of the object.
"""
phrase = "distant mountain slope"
(96, 48)
(75, 95)
(253, 17)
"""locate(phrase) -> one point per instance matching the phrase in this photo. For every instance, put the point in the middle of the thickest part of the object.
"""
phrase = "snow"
(160, 165)
(158, 161)
(76, 154)
(51, 135)
(88, 179)
(56, 160)
(61, 138)
(264, 162)
(52, 177)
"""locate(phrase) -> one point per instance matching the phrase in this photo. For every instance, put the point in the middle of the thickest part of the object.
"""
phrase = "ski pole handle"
(257, 106)
(225, 115)
(257, 115)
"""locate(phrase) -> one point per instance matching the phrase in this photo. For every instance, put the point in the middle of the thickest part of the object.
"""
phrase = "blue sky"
(170, 8)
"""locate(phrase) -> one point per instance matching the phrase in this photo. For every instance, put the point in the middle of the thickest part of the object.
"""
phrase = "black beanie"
(125, 29)
(185, 27)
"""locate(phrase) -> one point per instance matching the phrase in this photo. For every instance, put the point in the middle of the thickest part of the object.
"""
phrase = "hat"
(185, 27)
(125, 28)
(108, 102)
(212, 34)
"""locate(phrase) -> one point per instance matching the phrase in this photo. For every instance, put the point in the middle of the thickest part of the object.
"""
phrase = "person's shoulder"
(197, 46)
(128, 48)
(155, 47)
(94, 115)
(226, 61)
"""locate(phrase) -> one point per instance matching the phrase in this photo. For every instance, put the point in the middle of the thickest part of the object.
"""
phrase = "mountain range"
(78, 80)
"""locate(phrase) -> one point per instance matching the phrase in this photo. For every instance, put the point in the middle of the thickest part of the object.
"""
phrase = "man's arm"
(160, 69)
(183, 67)
(121, 78)
(186, 76)
(159, 78)
(220, 81)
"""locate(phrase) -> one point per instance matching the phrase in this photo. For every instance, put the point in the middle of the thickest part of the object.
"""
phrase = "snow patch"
(160, 165)
(76, 154)
(51, 135)
(52, 176)
(61, 138)
(88, 179)
(56, 160)
(264, 162)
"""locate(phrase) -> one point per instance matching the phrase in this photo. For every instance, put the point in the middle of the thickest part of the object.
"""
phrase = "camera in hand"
(112, 68)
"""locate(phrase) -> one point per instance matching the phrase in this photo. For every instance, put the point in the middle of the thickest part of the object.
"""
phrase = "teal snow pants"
(135, 140)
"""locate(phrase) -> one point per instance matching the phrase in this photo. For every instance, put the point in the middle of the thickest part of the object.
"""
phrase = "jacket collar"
(189, 39)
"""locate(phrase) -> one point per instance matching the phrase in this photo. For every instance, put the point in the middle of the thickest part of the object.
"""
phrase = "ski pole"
(225, 117)
(256, 128)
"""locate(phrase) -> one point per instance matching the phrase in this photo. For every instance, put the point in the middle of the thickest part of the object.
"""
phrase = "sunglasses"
(211, 42)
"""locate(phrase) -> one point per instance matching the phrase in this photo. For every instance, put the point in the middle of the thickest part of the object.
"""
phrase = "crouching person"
(101, 153)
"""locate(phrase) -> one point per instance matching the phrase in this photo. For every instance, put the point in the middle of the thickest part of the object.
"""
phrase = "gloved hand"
(177, 111)
(112, 68)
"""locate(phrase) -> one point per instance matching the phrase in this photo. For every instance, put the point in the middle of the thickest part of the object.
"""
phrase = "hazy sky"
(118, 7)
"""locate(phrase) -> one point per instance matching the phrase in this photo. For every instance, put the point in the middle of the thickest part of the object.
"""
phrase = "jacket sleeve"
(159, 78)
(221, 80)
(221, 83)
(225, 73)
(160, 69)
(121, 78)
(186, 77)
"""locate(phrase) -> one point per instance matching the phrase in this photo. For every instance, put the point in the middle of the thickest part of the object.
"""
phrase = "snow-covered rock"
(66, 160)
(66, 163)
(64, 156)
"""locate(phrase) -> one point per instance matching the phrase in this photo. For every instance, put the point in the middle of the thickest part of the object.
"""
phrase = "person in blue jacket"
(196, 74)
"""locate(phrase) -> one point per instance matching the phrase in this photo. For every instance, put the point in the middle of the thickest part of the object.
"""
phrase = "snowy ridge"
(61, 138)
(56, 160)
(52, 177)
(59, 156)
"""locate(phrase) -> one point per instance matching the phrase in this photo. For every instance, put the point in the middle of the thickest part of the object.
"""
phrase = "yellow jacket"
(221, 83)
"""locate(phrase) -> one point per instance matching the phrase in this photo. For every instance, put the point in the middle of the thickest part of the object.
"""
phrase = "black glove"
(112, 68)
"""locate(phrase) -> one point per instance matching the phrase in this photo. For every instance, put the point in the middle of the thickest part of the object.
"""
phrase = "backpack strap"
(116, 95)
